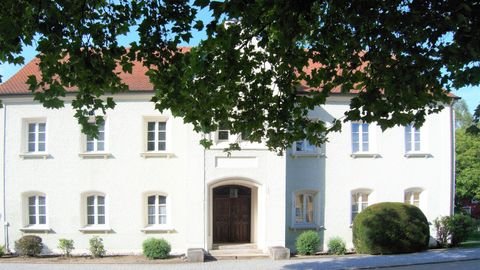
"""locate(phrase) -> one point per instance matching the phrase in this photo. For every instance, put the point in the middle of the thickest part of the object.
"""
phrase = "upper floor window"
(412, 139)
(304, 208)
(359, 203)
(95, 210)
(156, 136)
(37, 212)
(412, 197)
(36, 137)
(223, 132)
(305, 146)
(360, 137)
(97, 144)
(157, 210)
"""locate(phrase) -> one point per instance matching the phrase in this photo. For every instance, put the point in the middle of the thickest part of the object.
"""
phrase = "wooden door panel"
(221, 219)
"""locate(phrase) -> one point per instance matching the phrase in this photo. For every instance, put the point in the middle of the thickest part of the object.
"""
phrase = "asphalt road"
(461, 265)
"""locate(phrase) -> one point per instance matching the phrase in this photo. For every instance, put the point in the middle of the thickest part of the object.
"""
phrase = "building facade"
(146, 175)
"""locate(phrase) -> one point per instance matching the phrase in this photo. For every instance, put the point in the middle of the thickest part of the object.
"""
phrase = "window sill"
(158, 229)
(300, 227)
(417, 155)
(35, 155)
(87, 155)
(96, 229)
(365, 155)
(307, 154)
(36, 229)
(157, 155)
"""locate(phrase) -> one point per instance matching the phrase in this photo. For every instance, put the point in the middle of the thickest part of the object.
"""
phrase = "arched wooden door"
(231, 214)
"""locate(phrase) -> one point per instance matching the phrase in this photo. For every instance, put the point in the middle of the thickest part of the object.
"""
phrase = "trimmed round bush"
(307, 243)
(29, 245)
(389, 228)
(154, 248)
(336, 246)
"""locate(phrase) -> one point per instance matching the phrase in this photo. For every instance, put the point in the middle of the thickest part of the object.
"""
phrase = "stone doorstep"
(234, 246)
(239, 251)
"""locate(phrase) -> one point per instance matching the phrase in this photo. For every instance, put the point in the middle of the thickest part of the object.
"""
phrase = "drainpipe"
(5, 223)
(205, 214)
(453, 156)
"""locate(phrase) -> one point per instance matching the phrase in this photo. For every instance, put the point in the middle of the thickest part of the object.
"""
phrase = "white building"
(147, 176)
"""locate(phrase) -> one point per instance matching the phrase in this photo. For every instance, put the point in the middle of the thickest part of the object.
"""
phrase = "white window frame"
(37, 206)
(102, 130)
(304, 209)
(156, 152)
(96, 206)
(309, 150)
(413, 139)
(36, 226)
(361, 138)
(359, 202)
(157, 226)
(409, 196)
(96, 227)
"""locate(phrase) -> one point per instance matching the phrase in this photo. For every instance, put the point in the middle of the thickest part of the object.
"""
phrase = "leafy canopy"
(250, 69)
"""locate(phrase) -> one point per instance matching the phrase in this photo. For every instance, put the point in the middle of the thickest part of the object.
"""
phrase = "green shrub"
(336, 246)
(390, 227)
(307, 243)
(2, 250)
(96, 247)
(66, 246)
(29, 245)
(454, 228)
(154, 248)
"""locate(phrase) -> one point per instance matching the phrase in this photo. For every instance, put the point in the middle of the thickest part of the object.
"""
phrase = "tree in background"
(264, 64)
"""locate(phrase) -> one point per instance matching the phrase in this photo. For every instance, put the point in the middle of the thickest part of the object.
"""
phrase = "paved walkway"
(342, 262)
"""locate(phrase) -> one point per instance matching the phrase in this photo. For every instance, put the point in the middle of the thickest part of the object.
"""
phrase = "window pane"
(355, 127)
(101, 219)
(151, 126)
(101, 210)
(41, 137)
(42, 220)
(101, 200)
(41, 127)
(299, 208)
(355, 147)
(162, 210)
(31, 147)
(90, 146)
(41, 147)
(299, 145)
(31, 200)
(41, 210)
(223, 135)
(151, 210)
(100, 146)
(161, 136)
(162, 126)
(151, 146)
(309, 217)
(41, 200)
(90, 200)
(32, 210)
(151, 199)
(417, 146)
(31, 128)
(365, 146)
(151, 136)
(31, 137)
(32, 220)
(101, 136)
(163, 220)
(90, 210)
(162, 199)
(161, 146)
(151, 220)
(90, 220)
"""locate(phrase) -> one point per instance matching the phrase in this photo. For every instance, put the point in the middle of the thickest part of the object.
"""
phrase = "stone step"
(229, 246)
(234, 254)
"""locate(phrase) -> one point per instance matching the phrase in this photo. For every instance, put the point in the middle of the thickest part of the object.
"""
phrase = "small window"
(37, 212)
(360, 137)
(305, 146)
(95, 210)
(157, 210)
(36, 137)
(97, 144)
(304, 208)
(359, 203)
(412, 139)
(412, 197)
(223, 133)
(156, 136)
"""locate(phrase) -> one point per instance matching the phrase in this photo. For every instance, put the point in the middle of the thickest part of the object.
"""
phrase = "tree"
(467, 165)
(463, 117)
(264, 64)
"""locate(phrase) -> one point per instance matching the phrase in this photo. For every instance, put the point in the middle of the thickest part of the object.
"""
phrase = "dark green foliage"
(29, 245)
(154, 248)
(336, 246)
(455, 229)
(390, 227)
(307, 243)
(2, 250)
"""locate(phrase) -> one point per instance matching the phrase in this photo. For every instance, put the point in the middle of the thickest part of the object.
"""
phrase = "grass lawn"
(472, 241)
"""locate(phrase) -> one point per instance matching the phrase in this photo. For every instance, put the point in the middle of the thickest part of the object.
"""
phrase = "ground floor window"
(304, 208)
(37, 212)
(157, 209)
(359, 203)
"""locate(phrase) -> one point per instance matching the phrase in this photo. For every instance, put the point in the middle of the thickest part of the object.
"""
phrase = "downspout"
(205, 214)
(5, 223)
(453, 156)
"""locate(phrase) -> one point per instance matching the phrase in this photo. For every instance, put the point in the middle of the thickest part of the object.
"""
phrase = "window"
(156, 136)
(97, 144)
(304, 208)
(36, 137)
(37, 212)
(360, 140)
(157, 210)
(96, 210)
(305, 146)
(359, 203)
(223, 132)
(412, 198)
(412, 139)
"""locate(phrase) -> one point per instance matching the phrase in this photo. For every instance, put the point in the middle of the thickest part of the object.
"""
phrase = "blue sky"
(470, 94)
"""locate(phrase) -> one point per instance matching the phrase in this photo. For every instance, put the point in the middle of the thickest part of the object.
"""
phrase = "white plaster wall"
(2, 225)
(124, 178)
(337, 174)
